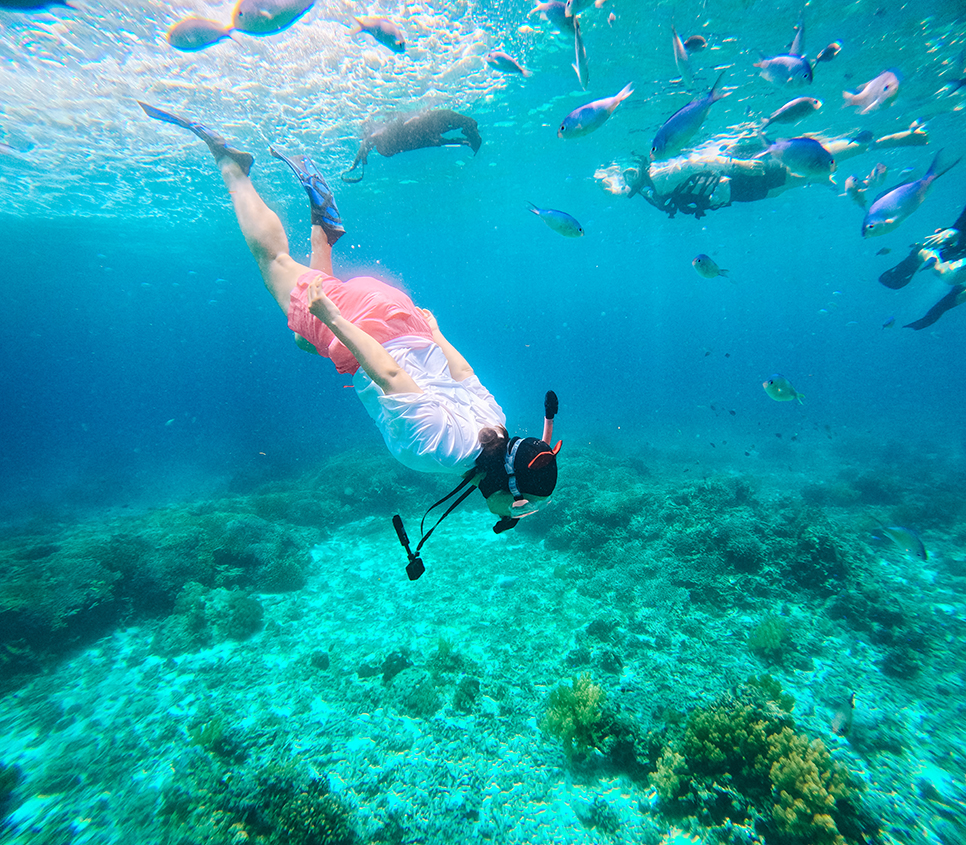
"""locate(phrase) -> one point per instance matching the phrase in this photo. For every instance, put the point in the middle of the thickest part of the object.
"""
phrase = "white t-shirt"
(436, 430)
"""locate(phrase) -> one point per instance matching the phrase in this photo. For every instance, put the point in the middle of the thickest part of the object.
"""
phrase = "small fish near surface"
(682, 126)
(695, 44)
(803, 157)
(890, 208)
(829, 52)
(193, 34)
(555, 11)
(681, 58)
(561, 222)
(791, 69)
(267, 17)
(382, 29)
(793, 111)
(498, 60)
(706, 266)
(875, 94)
(780, 389)
(906, 539)
(587, 118)
(580, 60)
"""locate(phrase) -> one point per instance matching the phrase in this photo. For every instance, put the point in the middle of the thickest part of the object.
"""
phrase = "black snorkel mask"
(529, 465)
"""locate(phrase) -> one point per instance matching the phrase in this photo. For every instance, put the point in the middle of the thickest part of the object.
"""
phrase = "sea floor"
(418, 705)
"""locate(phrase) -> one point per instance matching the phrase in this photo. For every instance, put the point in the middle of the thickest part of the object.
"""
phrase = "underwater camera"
(415, 567)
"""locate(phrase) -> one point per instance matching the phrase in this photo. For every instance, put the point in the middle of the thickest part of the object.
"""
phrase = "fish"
(498, 60)
(580, 62)
(877, 176)
(780, 389)
(875, 93)
(681, 126)
(884, 251)
(786, 71)
(705, 266)
(794, 110)
(555, 11)
(804, 157)
(193, 34)
(695, 44)
(888, 324)
(561, 222)
(890, 208)
(855, 190)
(906, 539)
(611, 18)
(797, 47)
(826, 54)
(681, 61)
(591, 116)
(266, 17)
(383, 30)
(842, 720)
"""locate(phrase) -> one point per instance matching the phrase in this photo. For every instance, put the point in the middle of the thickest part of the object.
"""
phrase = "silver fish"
(804, 157)
(498, 60)
(383, 30)
(681, 126)
(266, 17)
(681, 58)
(875, 93)
(890, 208)
(587, 118)
(786, 71)
(780, 389)
(580, 61)
(793, 110)
(707, 267)
(193, 34)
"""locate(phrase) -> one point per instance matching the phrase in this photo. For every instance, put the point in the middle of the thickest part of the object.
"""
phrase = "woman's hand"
(433, 325)
(320, 305)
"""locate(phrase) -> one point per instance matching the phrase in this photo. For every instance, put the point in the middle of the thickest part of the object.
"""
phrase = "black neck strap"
(426, 535)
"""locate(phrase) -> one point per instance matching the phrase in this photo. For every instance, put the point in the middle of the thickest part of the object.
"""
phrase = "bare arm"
(459, 368)
(377, 363)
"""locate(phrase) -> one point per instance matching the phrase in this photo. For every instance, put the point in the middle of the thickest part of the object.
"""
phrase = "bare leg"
(321, 251)
(263, 233)
(377, 363)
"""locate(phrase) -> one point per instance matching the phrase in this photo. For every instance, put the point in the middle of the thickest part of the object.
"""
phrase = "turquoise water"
(207, 632)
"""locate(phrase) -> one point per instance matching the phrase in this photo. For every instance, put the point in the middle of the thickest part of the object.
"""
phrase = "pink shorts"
(380, 310)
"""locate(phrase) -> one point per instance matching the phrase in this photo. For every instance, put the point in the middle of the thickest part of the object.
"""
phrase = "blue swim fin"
(325, 213)
(219, 147)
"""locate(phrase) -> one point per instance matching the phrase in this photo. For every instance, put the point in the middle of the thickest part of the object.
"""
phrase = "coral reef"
(741, 760)
(574, 714)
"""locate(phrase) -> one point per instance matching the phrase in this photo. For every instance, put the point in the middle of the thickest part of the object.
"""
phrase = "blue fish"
(890, 208)
(803, 157)
(555, 11)
(681, 126)
(561, 222)
(786, 71)
(593, 115)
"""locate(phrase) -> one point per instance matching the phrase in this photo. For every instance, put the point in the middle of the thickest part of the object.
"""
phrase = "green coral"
(742, 759)
(574, 714)
(770, 639)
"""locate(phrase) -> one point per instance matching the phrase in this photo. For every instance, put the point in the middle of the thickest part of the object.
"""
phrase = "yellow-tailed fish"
(780, 389)
(906, 539)
(561, 222)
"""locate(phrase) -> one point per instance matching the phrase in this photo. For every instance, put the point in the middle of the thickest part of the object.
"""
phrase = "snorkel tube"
(550, 408)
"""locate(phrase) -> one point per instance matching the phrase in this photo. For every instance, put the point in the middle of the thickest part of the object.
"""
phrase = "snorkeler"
(709, 179)
(413, 132)
(432, 410)
(944, 253)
